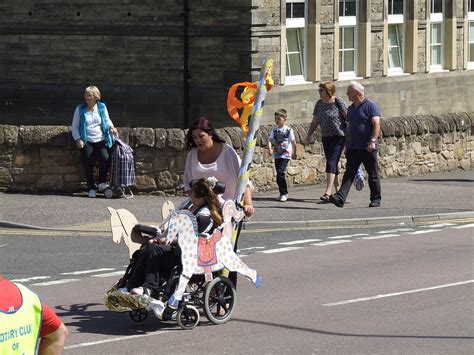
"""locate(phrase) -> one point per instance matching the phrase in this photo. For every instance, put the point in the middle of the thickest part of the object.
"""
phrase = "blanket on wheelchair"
(117, 301)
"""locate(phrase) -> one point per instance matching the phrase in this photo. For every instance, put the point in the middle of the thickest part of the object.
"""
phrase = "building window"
(295, 31)
(436, 37)
(347, 8)
(347, 39)
(470, 35)
(395, 36)
(395, 58)
(395, 7)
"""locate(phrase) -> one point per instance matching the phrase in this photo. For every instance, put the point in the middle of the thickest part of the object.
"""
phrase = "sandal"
(324, 198)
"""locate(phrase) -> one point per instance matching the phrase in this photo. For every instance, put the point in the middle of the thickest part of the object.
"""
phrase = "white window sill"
(345, 77)
(438, 70)
(396, 73)
(296, 81)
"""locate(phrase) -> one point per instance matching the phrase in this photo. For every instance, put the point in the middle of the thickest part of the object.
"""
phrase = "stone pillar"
(313, 41)
(411, 36)
(364, 32)
(450, 35)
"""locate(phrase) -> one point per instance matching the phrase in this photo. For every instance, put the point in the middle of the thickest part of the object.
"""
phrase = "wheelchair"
(215, 298)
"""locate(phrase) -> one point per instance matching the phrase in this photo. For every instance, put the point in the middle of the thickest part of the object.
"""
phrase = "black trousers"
(153, 261)
(280, 165)
(90, 154)
(355, 157)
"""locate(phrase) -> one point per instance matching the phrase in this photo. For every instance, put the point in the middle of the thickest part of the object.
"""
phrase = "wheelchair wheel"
(188, 317)
(109, 193)
(219, 300)
(138, 315)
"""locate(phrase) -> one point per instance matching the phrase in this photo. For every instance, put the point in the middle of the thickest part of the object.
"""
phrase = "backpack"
(122, 169)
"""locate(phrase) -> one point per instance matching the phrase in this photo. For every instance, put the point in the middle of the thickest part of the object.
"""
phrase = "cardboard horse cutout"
(204, 254)
(122, 222)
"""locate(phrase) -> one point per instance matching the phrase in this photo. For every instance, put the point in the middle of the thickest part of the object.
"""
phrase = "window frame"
(436, 18)
(470, 65)
(298, 24)
(397, 20)
(344, 23)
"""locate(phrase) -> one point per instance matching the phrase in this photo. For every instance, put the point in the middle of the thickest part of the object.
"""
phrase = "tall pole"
(185, 15)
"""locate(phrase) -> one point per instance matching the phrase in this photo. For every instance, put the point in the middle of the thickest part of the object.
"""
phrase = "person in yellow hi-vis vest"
(27, 326)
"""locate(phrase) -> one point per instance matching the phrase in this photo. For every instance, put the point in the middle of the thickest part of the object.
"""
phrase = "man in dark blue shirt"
(362, 147)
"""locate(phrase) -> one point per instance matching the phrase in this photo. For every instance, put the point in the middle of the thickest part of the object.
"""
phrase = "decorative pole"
(264, 84)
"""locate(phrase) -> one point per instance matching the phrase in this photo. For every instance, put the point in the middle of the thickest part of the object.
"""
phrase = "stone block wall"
(44, 158)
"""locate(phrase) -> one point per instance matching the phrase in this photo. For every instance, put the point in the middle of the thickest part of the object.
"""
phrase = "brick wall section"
(44, 158)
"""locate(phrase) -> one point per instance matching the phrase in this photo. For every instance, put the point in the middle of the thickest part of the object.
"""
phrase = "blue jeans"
(280, 165)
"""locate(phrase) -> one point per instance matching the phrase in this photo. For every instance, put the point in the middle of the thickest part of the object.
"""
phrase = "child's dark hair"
(282, 112)
(202, 189)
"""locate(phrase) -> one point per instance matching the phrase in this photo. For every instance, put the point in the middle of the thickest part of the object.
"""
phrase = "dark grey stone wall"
(51, 50)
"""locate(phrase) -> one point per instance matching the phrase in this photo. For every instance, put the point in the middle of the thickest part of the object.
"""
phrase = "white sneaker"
(123, 290)
(283, 198)
(103, 186)
(137, 291)
(92, 193)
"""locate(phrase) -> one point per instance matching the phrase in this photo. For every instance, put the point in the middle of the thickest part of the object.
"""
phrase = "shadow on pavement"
(87, 320)
(325, 332)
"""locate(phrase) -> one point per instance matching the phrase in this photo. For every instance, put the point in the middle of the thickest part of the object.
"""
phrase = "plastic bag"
(359, 179)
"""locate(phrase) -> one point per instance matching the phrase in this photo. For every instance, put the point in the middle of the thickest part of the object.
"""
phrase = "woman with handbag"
(330, 112)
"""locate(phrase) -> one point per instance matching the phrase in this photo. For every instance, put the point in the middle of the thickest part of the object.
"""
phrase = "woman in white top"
(209, 155)
(92, 131)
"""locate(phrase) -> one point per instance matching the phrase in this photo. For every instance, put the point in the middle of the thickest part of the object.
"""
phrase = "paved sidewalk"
(430, 197)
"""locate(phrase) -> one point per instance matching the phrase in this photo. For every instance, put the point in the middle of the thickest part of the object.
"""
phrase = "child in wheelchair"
(154, 268)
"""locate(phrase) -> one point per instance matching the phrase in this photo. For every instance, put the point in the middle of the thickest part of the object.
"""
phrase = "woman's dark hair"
(202, 189)
(204, 124)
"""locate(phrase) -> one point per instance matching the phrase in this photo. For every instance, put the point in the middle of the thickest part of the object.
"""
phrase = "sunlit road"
(384, 290)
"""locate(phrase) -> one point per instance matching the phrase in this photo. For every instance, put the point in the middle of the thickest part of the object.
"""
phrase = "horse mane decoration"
(205, 253)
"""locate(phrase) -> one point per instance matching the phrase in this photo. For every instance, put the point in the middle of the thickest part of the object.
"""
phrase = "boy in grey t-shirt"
(282, 146)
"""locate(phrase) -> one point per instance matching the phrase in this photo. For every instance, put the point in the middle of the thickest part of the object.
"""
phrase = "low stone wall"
(44, 158)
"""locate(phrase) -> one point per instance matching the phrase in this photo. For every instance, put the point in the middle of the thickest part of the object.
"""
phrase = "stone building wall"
(44, 158)
(133, 50)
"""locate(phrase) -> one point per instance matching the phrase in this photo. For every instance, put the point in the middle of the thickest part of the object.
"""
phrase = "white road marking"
(86, 271)
(279, 250)
(126, 337)
(55, 282)
(300, 241)
(396, 230)
(332, 242)
(425, 231)
(31, 279)
(251, 248)
(439, 225)
(116, 273)
(363, 299)
(3, 245)
(348, 236)
(380, 236)
(470, 225)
